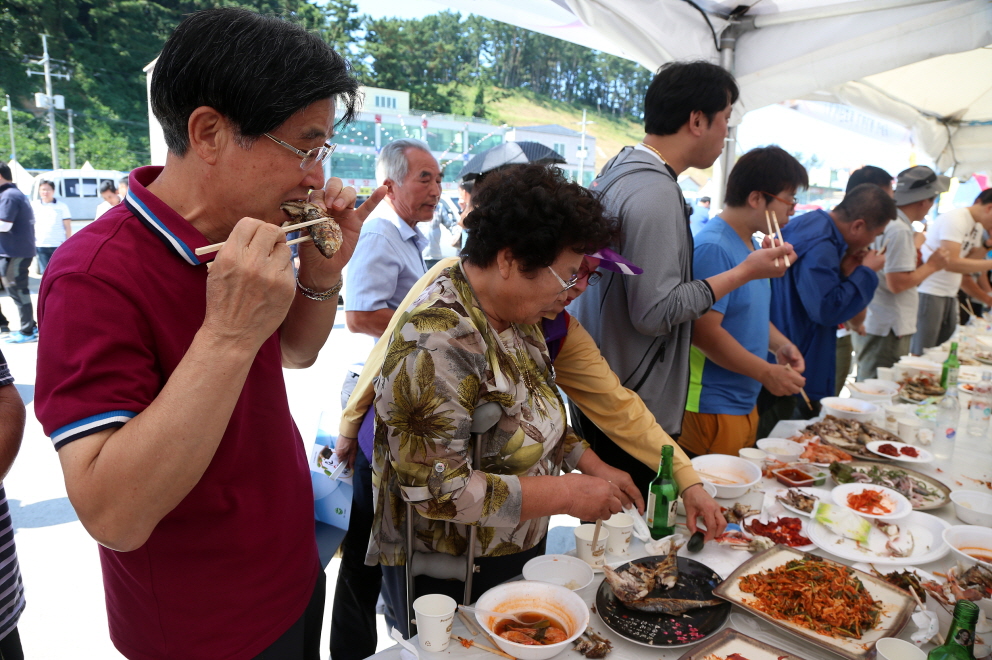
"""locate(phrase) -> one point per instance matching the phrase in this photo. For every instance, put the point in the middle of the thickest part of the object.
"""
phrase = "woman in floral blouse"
(472, 337)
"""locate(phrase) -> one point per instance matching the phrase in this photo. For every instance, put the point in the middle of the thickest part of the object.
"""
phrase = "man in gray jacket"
(643, 325)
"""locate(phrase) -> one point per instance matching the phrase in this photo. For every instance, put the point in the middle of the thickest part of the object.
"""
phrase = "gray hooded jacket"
(643, 323)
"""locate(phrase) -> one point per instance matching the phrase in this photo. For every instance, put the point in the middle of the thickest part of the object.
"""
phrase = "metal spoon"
(504, 615)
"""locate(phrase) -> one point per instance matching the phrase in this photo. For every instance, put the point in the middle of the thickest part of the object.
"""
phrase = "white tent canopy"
(946, 101)
(864, 53)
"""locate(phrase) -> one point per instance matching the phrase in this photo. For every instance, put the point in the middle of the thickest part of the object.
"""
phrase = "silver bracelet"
(320, 296)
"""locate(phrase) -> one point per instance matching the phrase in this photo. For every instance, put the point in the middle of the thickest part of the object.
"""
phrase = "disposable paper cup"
(892, 415)
(886, 373)
(891, 648)
(435, 614)
(909, 429)
(621, 526)
(583, 544)
(754, 455)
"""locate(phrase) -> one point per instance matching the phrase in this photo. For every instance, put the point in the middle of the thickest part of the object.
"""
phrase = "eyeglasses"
(791, 205)
(565, 285)
(309, 158)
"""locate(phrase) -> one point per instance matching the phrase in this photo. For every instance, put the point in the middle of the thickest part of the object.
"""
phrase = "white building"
(386, 116)
(567, 143)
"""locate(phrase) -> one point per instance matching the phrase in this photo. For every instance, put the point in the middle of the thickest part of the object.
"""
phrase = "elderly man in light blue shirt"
(388, 261)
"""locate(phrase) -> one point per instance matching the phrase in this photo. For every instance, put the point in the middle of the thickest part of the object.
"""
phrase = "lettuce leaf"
(842, 522)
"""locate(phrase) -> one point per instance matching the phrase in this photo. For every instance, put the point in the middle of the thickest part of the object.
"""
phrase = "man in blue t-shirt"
(16, 252)
(731, 342)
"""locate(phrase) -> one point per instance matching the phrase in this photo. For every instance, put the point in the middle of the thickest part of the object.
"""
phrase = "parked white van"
(79, 189)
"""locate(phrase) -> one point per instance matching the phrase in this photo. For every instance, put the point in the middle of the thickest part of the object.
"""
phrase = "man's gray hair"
(392, 163)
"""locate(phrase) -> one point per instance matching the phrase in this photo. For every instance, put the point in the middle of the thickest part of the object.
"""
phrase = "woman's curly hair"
(535, 212)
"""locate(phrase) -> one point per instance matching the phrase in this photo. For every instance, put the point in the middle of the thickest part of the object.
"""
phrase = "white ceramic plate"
(901, 506)
(924, 455)
(819, 493)
(927, 531)
(919, 402)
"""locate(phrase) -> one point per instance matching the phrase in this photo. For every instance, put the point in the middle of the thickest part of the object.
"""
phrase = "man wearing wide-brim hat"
(891, 320)
(960, 233)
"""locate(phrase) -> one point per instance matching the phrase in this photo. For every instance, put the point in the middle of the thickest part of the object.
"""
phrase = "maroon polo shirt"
(227, 571)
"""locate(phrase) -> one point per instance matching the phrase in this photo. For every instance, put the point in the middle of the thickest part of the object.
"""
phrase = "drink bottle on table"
(663, 494)
(960, 642)
(980, 406)
(948, 416)
(949, 373)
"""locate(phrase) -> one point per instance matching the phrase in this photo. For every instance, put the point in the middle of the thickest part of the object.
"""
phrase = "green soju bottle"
(663, 495)
(949, 374)
(961, 637)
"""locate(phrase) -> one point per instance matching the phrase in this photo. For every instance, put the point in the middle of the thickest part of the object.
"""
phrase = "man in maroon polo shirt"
(160, 380)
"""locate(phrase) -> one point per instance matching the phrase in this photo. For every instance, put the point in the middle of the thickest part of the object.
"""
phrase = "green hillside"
(526, 109)
(612, 132)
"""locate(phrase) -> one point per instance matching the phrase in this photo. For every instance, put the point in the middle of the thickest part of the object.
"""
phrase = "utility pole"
(10, 120)
(72, 143)
(49, 99)
(582, 147)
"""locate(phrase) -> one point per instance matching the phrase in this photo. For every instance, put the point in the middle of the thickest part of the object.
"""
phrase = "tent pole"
(721, 169)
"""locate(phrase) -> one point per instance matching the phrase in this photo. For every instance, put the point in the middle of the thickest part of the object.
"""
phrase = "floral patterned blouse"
(445, 359)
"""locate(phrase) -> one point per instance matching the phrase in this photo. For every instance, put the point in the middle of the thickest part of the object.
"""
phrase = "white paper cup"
(891, 648)
(621, 526)
(909, 429)
(892, 415)
(886, 373)
(583, 544)
(754, 455)
(435, 613)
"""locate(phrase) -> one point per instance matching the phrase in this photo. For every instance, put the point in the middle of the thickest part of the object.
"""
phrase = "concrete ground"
(65, 614)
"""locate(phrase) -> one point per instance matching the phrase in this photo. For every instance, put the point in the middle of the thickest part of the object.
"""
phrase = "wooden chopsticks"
(781, 240)
(207, 249)
(471, 642)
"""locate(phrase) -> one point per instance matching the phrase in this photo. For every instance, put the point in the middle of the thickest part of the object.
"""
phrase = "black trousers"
(608, 450)
(302, 640)
(10, 646)
(14, 272)
(353, 634)
(772, 409)
(492, 571)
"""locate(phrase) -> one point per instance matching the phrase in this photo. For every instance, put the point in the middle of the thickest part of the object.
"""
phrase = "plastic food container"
(793, 477)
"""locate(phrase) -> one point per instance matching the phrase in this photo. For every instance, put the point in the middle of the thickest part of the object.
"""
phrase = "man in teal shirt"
(732, 340)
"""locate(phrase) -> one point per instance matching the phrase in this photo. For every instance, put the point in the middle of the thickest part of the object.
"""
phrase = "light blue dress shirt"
(387, 262)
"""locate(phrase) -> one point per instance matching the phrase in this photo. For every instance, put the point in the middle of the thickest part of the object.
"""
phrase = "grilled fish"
(638, 580)
(326, 236)
(670, 605)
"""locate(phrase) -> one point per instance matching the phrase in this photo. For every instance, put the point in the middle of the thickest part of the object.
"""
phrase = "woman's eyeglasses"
(309, 158)
(565, 285)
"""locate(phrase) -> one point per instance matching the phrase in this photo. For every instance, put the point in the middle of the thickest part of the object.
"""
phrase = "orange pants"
(704, 433)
